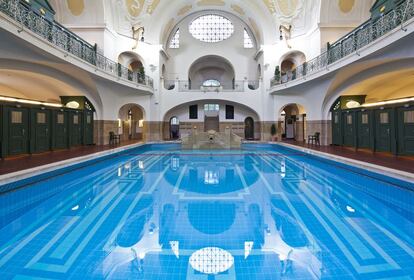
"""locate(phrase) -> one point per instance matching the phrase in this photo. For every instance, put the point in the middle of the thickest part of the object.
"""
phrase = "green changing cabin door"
(60, 130)
(336, 128)
(40, 136)
(348, 124)
(88, 128)
(364, 129)
(18, 131)
(406, 131)
(75, 128)
(383, 130)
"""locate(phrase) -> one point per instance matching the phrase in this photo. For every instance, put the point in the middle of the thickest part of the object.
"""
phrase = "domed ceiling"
(158, 17)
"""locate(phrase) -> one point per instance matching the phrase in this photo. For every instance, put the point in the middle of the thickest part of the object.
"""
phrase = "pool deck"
(14, 164)
(402, 163)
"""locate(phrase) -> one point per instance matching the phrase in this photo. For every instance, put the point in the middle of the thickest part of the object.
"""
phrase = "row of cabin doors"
(382, 130)
(32, 130)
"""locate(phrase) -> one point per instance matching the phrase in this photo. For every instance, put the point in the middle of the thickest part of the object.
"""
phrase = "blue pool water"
(155, 212)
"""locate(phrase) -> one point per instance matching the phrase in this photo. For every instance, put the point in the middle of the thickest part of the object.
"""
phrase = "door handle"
(23, 131)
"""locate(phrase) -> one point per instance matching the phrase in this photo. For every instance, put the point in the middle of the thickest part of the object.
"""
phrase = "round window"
(211, 28)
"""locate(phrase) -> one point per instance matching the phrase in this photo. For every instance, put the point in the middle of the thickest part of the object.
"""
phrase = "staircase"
(211, 140)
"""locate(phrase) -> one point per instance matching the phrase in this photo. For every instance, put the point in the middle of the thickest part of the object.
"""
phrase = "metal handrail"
(361, 36)
(68, 41)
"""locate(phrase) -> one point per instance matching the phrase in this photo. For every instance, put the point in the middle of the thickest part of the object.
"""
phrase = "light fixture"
(352, 104)
(73, 104)
(27, 101)
(141, 123)
(388, 102)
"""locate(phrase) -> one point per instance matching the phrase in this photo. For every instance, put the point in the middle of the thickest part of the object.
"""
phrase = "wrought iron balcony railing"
(361, 36)
(66, 40)
(235, 86)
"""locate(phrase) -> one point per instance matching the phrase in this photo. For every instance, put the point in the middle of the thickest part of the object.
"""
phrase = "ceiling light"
(388, 102)
(27, 101)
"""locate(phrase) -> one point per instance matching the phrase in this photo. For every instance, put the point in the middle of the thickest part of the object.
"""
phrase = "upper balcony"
(234, 86)
(356, 42)
(71, 44)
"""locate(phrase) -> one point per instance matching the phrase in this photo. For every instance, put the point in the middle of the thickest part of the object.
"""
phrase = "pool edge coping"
(16, 176)
(376, 168)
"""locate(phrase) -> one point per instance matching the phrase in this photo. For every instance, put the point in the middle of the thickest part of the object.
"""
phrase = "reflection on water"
(165, 214)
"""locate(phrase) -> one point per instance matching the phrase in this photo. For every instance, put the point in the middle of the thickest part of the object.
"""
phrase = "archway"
(211, 71)
(288, 64)
(131, 122)
(132, 61)
(249, 128)
(174, 128)
(293, 122)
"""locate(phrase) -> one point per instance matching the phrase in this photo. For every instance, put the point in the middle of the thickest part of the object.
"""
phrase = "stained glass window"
(175, 41)
(211, 28)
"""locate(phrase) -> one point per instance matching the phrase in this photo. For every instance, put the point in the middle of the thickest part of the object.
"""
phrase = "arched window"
(174, 121)
(211, 28)
(175, 41)
(248, 43)
(211, 83)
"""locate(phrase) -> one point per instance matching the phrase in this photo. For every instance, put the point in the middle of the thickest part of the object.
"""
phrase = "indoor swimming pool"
(158, 212)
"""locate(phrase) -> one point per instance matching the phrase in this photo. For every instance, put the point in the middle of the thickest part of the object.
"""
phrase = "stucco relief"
(346, 5)
(76, 7)
(238, 9)
(284, 10)
(184, 10)
(211, 3)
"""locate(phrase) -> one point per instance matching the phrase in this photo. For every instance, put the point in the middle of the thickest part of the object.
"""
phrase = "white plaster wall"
(240, 112)
(231, 49)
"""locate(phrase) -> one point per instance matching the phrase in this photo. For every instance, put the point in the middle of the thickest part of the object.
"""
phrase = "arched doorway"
(293, 122)
(174, 128)
(249, 128)
(131, 122)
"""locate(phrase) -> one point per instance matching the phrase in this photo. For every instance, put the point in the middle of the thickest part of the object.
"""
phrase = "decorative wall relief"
(76, 7)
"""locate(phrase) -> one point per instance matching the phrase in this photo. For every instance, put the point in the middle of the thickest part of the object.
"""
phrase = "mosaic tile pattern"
(162, 213)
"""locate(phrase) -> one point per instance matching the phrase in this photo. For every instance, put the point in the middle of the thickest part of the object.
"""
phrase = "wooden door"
(60, 130)
(405, 133)
(40, 136)
(18, 131)
(88, 128)
(249, 128)
(348, 124)
(364, 131)
(383, 130)
(336, 128)
(75, 128)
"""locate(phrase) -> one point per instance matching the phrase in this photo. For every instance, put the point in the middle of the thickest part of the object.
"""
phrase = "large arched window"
(211, 28)
(175, 41)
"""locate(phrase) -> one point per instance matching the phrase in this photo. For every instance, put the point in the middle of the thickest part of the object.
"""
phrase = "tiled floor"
(403, 163)
(25, 162)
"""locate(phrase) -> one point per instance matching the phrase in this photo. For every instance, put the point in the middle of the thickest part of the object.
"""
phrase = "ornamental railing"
(233, 86)
(361, 36)
(66, 40)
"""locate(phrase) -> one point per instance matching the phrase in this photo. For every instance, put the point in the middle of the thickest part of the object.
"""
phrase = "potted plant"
(277, 74)
(273, 132)
(141, 74)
